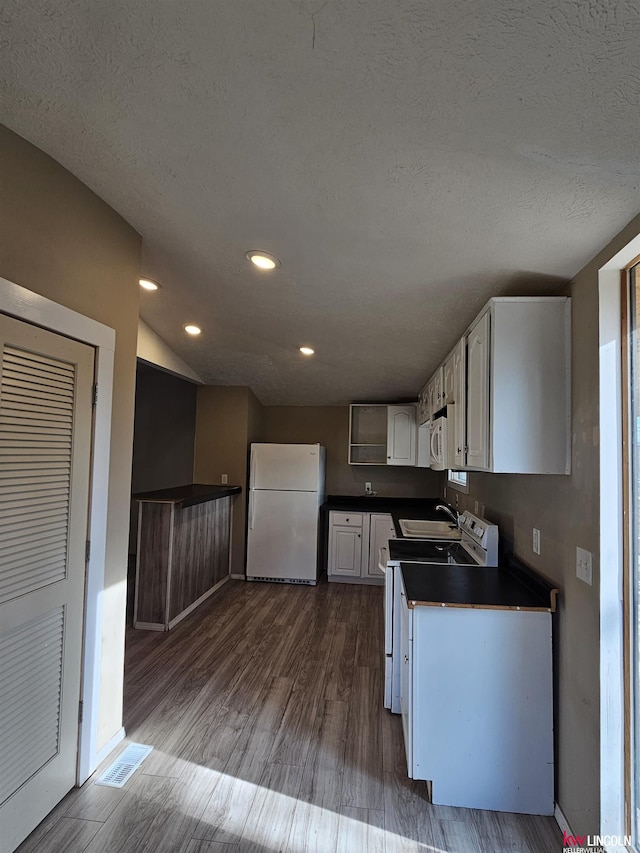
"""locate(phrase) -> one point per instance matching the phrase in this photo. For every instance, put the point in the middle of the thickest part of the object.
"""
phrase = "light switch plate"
(536, 540)
(584, 567)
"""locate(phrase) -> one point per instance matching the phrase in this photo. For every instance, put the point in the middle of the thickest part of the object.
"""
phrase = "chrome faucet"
(444, 508)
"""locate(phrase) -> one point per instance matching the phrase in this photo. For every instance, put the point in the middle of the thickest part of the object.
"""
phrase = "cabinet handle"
(358, 536)
(459, 450)
(347, 521)
(406, 658)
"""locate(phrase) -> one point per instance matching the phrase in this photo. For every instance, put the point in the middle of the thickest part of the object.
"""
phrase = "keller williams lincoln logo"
(591, 843)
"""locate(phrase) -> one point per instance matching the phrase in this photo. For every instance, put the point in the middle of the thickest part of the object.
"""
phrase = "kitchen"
(161, 405)
(90, 263)
(229, 418)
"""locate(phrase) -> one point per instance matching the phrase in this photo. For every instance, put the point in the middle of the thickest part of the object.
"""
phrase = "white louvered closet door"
(45, 447)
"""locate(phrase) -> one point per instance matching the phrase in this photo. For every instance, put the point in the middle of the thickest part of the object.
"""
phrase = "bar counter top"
(189, 495)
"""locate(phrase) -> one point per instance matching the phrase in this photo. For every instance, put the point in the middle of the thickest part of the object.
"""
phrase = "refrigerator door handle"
(252, 470)
(251, 504)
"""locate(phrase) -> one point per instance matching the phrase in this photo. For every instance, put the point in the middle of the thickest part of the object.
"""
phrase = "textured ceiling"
(404, 160)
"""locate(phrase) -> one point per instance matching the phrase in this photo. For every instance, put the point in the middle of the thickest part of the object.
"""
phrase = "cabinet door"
(367, 434)
(438, 389)
(345, 551)
(460, 401)
(401, 435)
(478, 393)
(448, 380)
(381, 529)
(424, 413)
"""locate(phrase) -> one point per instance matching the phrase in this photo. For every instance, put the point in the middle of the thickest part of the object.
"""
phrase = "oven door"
(388, 609)
(388, 633)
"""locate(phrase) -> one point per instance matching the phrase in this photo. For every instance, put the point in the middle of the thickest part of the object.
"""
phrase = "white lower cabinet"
(477, 708)
(381, 529)
(355, 540)
(346, 551)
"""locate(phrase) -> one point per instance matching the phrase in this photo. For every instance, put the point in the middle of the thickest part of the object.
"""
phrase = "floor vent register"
(124, 766)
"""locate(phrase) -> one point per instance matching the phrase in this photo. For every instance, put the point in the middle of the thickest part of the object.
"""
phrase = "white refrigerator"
(286, 489)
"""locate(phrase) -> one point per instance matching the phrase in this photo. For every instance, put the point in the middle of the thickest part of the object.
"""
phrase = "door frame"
(612, 532)
(24, 304)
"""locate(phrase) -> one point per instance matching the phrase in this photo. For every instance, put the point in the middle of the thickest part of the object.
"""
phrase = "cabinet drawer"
(347, 519)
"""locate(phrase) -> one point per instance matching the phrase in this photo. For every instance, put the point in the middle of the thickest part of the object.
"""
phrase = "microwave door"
(437, 456)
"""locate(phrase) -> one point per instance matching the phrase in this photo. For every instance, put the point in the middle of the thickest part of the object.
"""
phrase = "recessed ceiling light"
(307, 351)
(263, 260)
(190, 329)
(149, 284)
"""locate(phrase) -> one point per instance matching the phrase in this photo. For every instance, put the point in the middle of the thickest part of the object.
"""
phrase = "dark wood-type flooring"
(264, 708)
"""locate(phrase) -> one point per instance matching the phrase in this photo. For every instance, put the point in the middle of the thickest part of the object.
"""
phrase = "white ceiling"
(404, 160)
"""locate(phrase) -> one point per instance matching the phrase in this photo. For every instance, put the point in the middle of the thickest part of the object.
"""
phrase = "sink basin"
(418, 528)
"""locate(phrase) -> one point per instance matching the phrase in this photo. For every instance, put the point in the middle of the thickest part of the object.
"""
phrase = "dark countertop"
(502, 588)
(405, 507)
(184, 496)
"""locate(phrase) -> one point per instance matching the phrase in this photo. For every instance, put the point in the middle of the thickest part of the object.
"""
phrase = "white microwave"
(441, 439)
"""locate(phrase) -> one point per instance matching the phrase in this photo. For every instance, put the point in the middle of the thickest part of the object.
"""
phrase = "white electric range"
(476, 546)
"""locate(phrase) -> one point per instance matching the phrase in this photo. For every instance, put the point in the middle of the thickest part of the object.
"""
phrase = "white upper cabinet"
(431, 398)
(401, 435)
(448, 380)
(424, 415)
(380, 434)
(519, 387)
(459, 357)
(477, 396)
(437, 390)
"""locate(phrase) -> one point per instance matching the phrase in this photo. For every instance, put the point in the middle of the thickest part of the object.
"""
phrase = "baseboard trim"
(197, 603)
(237, 577)
(561, 820)
(108, 748)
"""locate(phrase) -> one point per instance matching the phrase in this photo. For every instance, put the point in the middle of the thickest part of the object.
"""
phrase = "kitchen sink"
(418, 528)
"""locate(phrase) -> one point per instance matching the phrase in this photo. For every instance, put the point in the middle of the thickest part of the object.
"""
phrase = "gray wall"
(164, 430)
(163, 439)
(566, 511)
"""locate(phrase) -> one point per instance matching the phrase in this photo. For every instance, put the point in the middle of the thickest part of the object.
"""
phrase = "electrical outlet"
(536, 540)
(223, 479)
(584, 568)
(367, 488)
(476, 507)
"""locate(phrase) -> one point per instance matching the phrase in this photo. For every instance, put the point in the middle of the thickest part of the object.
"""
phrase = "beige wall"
(60, 240)
(227, 420)
(566, 511)
(329, 426)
